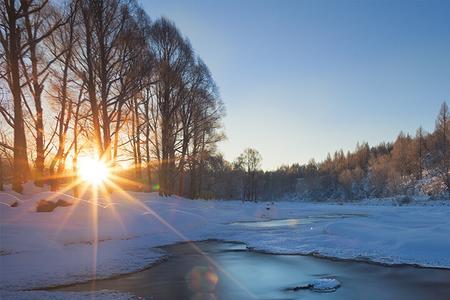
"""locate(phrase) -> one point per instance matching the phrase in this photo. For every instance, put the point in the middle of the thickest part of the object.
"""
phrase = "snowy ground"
(49, 249)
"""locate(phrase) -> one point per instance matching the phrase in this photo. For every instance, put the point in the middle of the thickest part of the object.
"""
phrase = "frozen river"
(219, 270)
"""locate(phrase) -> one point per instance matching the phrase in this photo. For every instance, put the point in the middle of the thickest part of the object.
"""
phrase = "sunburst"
(96, 180)
(93, 171)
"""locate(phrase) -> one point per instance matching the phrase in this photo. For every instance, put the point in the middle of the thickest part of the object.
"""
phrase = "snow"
(324, 284)
(47, 249)
(321, 285)
(39, 295)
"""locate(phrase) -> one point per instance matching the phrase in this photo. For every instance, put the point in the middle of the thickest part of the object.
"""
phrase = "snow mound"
(321, 285)
(325, 285)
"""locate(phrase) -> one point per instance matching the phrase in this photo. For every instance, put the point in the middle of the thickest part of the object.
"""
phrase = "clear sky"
(300, 79)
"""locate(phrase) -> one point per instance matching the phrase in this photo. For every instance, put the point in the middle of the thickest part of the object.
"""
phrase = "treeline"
(99, 77)
(411, 165)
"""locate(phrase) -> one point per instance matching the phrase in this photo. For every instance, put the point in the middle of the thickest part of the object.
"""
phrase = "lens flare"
(92, 170)
(202, 279)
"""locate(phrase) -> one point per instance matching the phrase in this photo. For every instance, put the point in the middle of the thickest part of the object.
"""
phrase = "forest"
(100, 78)
(85, 77)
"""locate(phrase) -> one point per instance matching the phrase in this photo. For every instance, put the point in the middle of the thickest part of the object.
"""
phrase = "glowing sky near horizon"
(300, 79)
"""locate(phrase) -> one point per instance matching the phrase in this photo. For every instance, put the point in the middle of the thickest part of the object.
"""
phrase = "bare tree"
(13, 14)
(61, 45)
(442, 129)
(250, 162)
(173, 55)
(38, 26)
(420, 152)
(202, 128)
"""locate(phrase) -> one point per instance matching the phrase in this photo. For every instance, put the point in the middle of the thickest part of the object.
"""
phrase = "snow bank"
(65, 246)
(39, 295)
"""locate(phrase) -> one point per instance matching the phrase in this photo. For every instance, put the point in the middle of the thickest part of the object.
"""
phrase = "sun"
(92, 170)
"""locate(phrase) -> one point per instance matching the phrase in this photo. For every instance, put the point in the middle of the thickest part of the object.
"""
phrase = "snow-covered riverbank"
(47, 249)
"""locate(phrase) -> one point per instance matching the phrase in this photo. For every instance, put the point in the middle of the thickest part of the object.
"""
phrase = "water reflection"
(273, 223)
(292, 222)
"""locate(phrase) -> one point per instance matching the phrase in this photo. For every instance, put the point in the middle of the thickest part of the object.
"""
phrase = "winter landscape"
(236, 150)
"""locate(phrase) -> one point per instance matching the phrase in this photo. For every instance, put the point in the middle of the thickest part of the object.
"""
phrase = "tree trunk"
(37, 93)
(138, 141)
(21, 169)
(1, 174)
(163, 182)
(91, 82)
(116, 133)
(147, 149)
(40, 156)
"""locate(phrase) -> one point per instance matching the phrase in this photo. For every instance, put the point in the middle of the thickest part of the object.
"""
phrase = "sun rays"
(92, 171)
(98, 183)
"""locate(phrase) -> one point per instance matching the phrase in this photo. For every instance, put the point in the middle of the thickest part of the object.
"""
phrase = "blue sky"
(300, 79)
